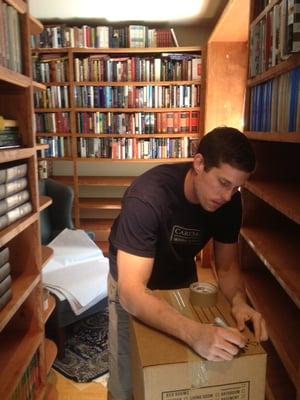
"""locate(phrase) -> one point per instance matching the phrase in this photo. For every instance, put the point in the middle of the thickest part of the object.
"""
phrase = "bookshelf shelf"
(285, 66)
(45, 202)
(22, 346)
(14, 78)
(17, 349)
(142, 160)
(290, 137)
(47, 254)
(17, 227)
(281, 316)
(19, 5)
(283, 196)
(22, 286)
(282, 263)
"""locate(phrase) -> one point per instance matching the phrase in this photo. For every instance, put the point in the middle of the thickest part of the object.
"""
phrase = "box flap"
(157, 348)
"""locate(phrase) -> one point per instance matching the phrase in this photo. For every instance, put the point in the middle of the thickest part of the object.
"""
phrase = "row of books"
(114, 122)
(120, 96)
(14, 194)
(135, 36)
(130, 148)
(275, 104)
(167, 67)
(58, 147)
(9, 133)
(10, 38)
(58, 122)
(52, 97)
(138, 123)
(275, 36)
(30, 381)
(48, 68)
(5, 278)
(104, 68)
(136, 97)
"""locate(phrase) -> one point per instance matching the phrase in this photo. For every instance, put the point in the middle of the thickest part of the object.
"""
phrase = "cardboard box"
(164, 368)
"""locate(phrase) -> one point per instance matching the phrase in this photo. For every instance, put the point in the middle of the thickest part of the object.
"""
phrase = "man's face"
(216, 186)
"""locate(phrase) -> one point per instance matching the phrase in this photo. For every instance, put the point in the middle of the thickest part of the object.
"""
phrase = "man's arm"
(213, 343)
(232, 285)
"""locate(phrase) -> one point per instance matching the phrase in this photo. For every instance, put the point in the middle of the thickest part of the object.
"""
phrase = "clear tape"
(196, 367)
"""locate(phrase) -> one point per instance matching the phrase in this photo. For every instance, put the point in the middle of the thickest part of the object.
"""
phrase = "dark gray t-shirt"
(157, 221)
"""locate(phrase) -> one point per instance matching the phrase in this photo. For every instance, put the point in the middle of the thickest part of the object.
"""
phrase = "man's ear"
(198, 163)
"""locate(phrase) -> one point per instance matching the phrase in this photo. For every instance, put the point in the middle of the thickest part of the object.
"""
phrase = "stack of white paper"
(78, 270)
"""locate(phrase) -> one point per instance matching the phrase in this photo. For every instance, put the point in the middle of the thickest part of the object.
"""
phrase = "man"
(168, 215)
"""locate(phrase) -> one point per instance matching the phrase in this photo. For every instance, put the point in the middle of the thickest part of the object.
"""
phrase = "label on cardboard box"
(232, 391)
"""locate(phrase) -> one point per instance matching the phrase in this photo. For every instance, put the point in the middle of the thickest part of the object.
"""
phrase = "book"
(5, 298)
(4, 255)
(15, 214)
(7, 189)
(5, 284)
(13, 201)
(12, 173)
(7, 124)
(174, 37)
(4, 271)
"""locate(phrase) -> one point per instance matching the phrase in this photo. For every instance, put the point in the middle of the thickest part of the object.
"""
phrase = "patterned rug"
(86, 349)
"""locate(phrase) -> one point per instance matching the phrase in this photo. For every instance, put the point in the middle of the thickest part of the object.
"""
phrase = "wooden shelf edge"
(291, 137)
(22, 287)
(38, 85)
(123, 50)
(281, 195)
(106, 181)
(19, 5)
(16, 154)
(225, 30)
(285, 66)
(47, 254)
(16, 228)
(45, 201)
(14, 78)
(50, 353)
(36, 27)
(51, 306)
(134, 160)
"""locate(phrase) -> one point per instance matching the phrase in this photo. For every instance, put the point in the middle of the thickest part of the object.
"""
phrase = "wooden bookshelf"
(95, 210)
(270, 234)
(22, 348)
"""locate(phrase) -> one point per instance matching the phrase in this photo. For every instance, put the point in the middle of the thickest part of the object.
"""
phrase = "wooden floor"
(65, 389)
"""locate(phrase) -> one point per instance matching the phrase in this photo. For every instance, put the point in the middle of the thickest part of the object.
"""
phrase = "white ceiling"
(87, 9)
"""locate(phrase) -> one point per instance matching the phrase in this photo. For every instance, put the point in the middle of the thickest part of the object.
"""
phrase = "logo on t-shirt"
(183, 235)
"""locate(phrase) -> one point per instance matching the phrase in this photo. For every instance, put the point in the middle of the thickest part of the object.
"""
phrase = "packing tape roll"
(203, 294)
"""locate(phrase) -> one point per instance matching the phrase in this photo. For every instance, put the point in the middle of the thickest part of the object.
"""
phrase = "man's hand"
(242, 312)
(215, 343)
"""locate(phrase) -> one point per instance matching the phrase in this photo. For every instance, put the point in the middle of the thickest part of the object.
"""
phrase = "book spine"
(5, 298)
(5, 284)
(12, 173)
(4, 271)
(13, 201)
(15, 214)
(4, 256)
(7, 189)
